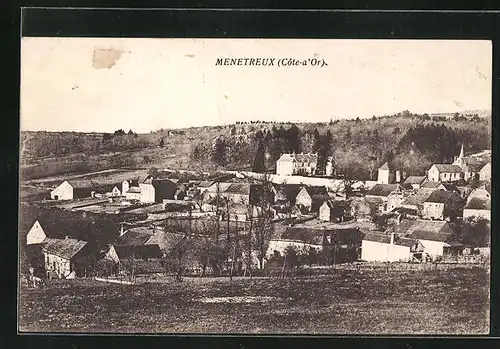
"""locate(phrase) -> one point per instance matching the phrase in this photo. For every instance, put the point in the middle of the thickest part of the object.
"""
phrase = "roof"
(299, 157)
(418, 197)
(448, 168)
(138, 251)
(385, 166)
(386, 239)
(136, 190)
(431, 236)
(135, 236)
(431, 185)
(440, 196)
(65, 248)
(80, 183)
(143, 267)
(486, 167)
(72, 225)
(132, 182)
(222, 187)
(407, 227)
(318, 200)
(383, 189)
(287, 192)
(110, 187)
(415, 180)
(238, 188)
(478, 204)
(165, 240)
(475, 166)
(205, 184)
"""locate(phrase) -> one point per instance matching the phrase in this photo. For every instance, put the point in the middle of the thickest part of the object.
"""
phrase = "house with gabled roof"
(136, 259)
(155, 190)
(485, 172)
(415, 201)
(384, 190)
(415, 181)
(65, 258)
(379, 247)
(478, 207)
(286, 193)
(444, 173)
(437, 244)
(436, 236)
(111, 190)
(311, 198)
(72, 189)
(333, 210)
(129, 183)
(442, 204)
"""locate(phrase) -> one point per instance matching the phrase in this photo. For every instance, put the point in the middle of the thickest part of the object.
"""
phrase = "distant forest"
(358, 146)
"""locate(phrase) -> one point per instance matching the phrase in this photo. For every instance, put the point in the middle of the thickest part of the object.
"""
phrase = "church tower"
(460, 160)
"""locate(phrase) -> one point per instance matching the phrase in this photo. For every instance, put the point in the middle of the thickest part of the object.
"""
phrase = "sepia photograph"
(255, 186)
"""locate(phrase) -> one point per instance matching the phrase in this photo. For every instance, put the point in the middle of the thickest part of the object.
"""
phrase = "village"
(242, 223)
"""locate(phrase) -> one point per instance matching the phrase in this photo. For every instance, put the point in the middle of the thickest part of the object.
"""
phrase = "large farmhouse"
(296, 164)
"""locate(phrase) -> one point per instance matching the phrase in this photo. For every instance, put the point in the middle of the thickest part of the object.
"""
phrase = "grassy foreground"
(454, 301)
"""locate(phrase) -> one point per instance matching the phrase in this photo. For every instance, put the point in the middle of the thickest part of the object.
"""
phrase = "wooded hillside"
(358, 146)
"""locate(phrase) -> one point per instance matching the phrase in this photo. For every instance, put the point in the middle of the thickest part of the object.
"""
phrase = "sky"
(104, 84)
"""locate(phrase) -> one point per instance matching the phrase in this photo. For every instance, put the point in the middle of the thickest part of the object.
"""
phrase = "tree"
(473, 232)
(260, 158)
(316, 141)
(324, 152)
(293, 259)
(162, 143)
(219, 153)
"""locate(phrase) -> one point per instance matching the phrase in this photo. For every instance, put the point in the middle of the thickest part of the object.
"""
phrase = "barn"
(69, 190)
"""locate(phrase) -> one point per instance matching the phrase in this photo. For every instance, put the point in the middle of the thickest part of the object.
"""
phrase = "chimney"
(92, 194)
(392, 238)
(398, 221)
(121, 230)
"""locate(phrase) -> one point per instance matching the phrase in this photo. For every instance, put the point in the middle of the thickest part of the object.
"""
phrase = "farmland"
(345, 301)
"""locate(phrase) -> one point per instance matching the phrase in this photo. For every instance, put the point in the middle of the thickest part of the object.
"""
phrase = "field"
(452, 301)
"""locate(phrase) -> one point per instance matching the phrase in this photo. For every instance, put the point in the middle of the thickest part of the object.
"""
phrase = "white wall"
(486, 214)
(125, 187)
(373, 251)
(281, 245)
(147, 193)
(36, 235)
(57, 264)
(63, 192)
(485, 173)
(433, 210)
(284, 167)
(433, 248)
